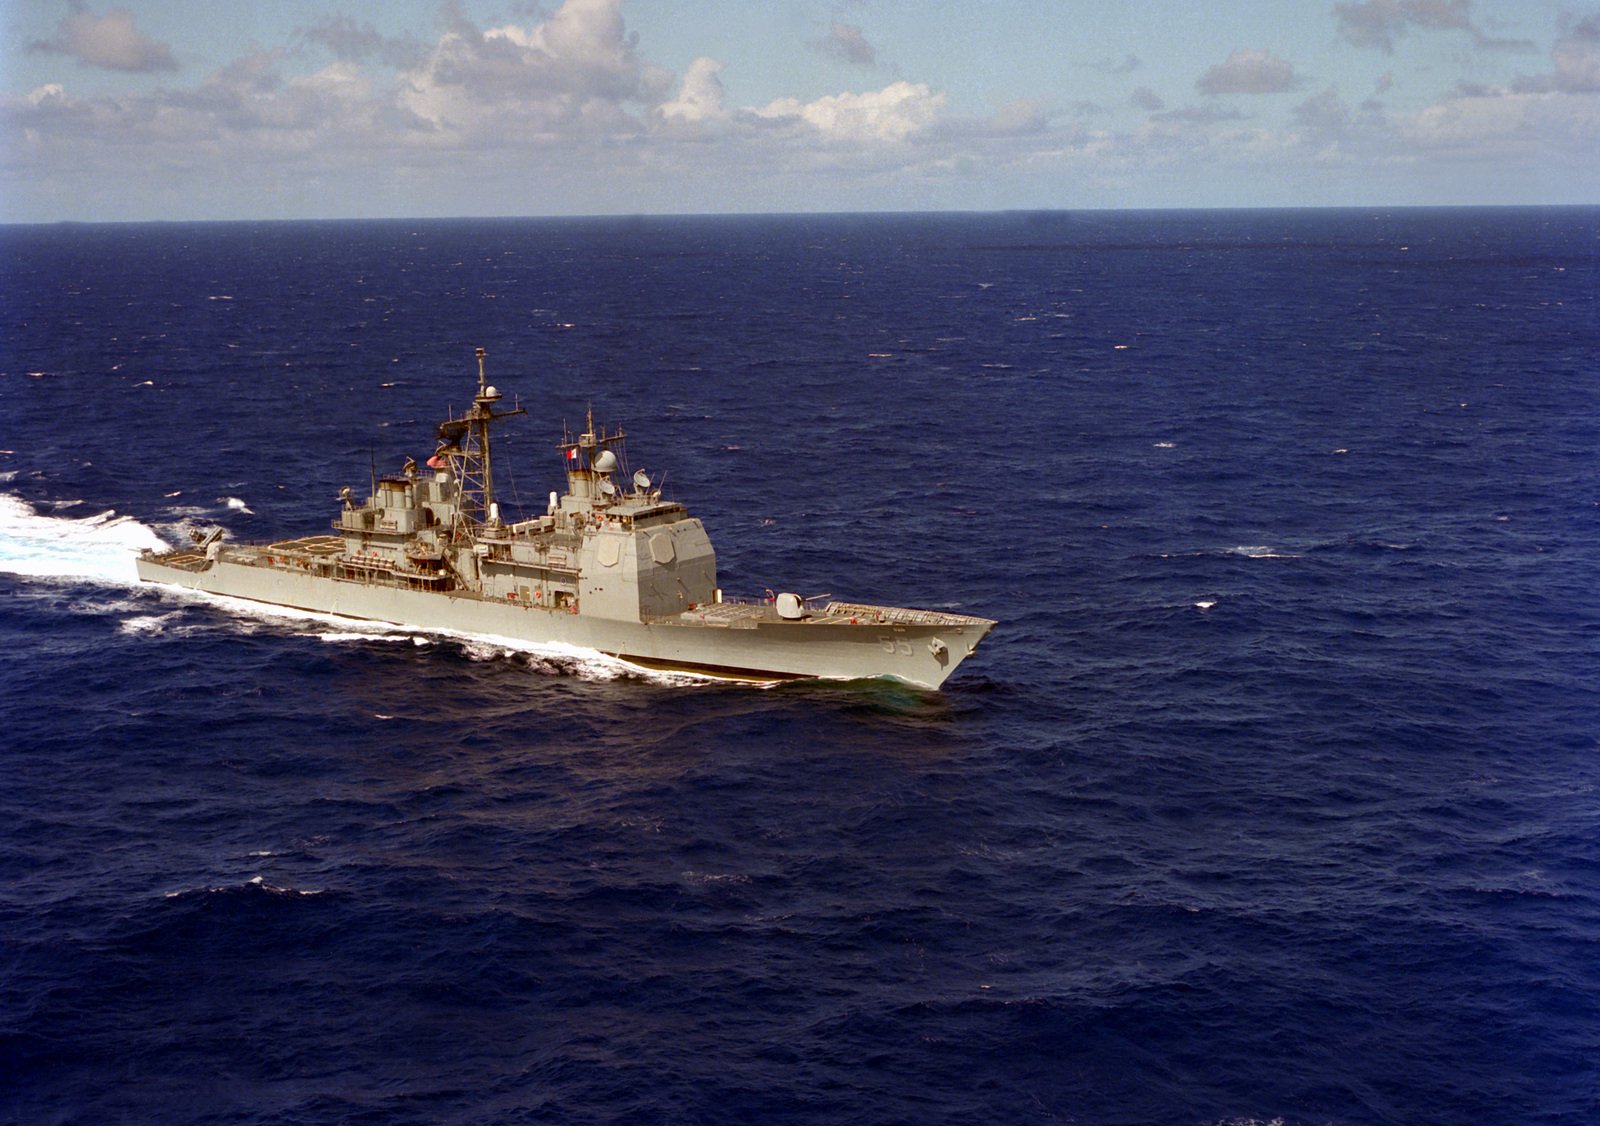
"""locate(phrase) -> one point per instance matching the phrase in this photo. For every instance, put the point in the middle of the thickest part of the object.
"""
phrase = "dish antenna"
(607, 488)
(641, 480)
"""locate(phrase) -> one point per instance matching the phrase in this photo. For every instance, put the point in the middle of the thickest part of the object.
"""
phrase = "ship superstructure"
(610, 565)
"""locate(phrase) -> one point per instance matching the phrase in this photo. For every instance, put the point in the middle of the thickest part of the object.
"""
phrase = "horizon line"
(891, 213)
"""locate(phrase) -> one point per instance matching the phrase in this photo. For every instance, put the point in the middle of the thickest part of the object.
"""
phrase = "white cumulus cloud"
(1576, 59)
(579, 72)
(1249, 72)
(700, 94)
(1378, 23)
(895, 113)
(108, 41)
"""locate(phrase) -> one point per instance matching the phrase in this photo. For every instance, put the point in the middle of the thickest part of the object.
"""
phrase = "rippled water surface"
(1273, 797)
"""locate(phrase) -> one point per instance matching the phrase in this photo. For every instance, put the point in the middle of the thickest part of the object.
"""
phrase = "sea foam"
(97, 548)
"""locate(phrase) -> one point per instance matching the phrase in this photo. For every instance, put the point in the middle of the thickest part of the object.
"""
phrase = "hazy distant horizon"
(696, 215)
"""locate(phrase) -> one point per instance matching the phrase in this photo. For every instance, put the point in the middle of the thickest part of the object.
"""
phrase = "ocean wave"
(147, 623)
(256, 885)
(99, 548)
(399, 635)
(1260, 551)
(691, 876)
(1241, 551)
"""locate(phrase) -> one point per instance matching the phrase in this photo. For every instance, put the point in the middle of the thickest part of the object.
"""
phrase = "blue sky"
(183, 109)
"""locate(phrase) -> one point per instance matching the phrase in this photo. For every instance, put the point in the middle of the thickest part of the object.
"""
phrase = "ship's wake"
(98, 549)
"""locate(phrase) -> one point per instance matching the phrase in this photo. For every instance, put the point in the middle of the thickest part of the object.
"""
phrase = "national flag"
(572, 454)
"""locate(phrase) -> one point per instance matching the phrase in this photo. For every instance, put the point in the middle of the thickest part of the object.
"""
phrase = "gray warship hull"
(740, 641)
(615, 569)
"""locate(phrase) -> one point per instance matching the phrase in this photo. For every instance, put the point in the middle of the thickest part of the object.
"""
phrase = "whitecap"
(397, 634)
(1260, 551)
(99, 548)
(255, 882)
(146, 623)
(694, 877)
(277, 889)
(1205, 604)
(236, 504)
(479, 650)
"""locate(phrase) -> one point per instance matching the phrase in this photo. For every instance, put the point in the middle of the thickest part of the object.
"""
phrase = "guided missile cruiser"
(610, 565)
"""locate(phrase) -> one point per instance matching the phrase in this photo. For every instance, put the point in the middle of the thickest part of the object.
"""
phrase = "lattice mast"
(465, 444)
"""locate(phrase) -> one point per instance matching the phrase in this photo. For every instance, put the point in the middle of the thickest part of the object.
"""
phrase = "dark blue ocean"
(1273, 798)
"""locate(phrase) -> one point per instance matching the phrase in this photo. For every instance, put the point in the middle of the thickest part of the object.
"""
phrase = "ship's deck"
(747, 614)
(309, 545)
(182, 560)
(902, 615)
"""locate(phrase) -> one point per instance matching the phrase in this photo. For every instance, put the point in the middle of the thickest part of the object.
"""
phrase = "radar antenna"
(591, 458)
